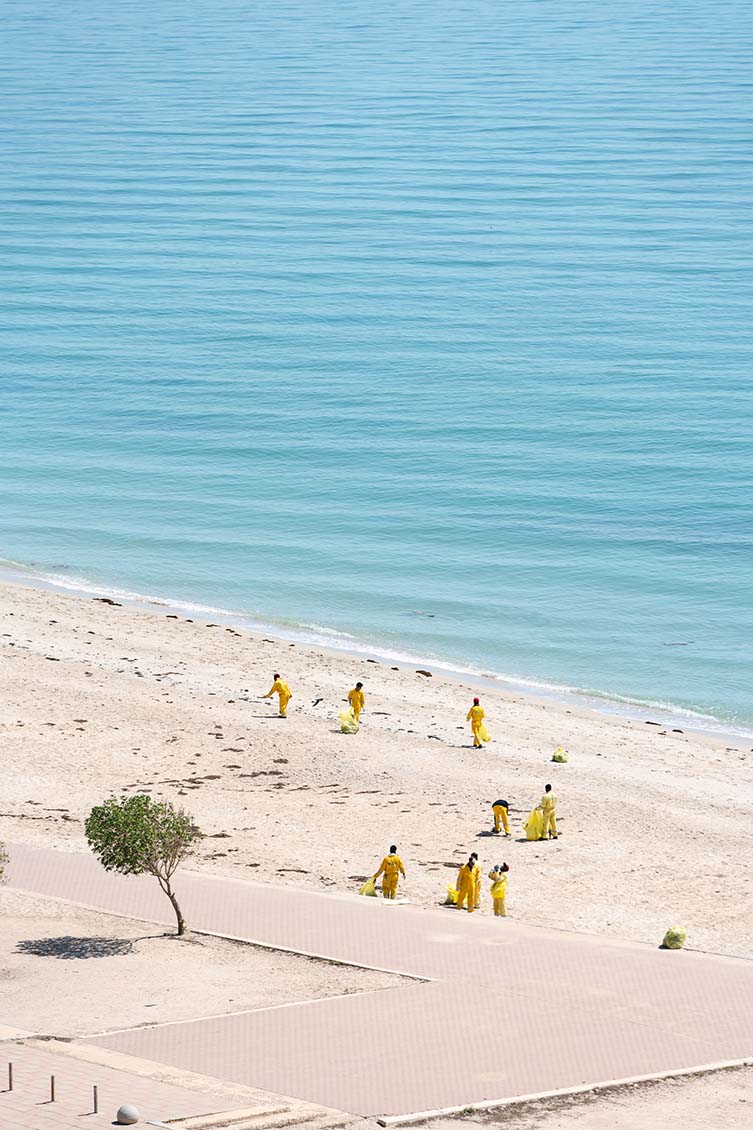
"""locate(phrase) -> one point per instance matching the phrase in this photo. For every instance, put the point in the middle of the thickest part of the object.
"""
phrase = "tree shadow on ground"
(70, 948)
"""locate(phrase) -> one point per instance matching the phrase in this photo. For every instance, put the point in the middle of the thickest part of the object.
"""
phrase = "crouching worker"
(498, 877)
(391, 867)
(500, 810)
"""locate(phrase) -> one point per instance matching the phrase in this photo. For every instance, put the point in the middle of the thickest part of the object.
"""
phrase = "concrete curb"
(567, 1092)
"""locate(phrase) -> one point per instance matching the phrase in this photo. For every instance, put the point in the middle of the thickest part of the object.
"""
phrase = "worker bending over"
(500, 810)
(466, 884)
(548, 806)
(282, 690)
(498, 877)
(357, 699)
(476, 717)
(391, 866)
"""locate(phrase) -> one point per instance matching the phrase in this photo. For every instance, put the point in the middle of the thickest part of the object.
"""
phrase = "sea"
(419, 328)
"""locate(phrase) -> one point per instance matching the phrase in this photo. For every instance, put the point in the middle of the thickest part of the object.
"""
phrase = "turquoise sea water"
(426, 323)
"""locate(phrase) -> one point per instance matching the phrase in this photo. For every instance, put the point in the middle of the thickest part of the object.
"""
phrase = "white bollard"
(127, 1115)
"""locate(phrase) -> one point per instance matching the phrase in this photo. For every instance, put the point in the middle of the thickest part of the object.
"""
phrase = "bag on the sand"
(452, 895)
(675, 938)
(560, 755)
(369, 889)
(348, 724)
(534, 825)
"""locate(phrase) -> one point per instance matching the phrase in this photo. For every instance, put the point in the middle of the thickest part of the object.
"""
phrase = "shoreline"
(103, 699)
(596, 702)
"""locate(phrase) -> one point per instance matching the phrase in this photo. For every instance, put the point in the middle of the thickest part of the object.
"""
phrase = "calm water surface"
(333, 314)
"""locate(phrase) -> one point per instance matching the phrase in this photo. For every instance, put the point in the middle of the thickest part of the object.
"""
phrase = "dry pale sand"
(99, 700)
(123, 974)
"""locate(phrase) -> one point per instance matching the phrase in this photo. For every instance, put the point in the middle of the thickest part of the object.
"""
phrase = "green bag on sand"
(452, 895)
(368, 889)
(675, 938)
(560, 755)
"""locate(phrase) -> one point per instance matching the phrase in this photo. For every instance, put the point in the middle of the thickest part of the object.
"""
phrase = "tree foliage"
(137, 835)
(3, 862)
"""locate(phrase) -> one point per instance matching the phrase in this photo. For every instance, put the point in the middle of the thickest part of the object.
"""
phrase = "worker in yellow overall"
(476, 717)
(498, 877)
(282, 690)
(391, 867)
(500, 810)
(357, 699)
(466, 884)
(548, 806)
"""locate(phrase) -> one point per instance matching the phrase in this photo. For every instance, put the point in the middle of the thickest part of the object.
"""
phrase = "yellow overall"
(549, 807)
(392, 866)
(466, 885)
(282, 690)
(476, 717)
(357, 700)
(500, 816)
(499, 892)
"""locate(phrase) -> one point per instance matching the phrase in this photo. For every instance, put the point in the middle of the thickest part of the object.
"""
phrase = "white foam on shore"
(316, 635)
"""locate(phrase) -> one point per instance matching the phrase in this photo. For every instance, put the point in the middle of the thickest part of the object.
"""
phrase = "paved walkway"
(28, 1106)
(510, 1010)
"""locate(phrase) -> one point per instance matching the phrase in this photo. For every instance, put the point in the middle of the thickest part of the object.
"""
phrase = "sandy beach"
(101, 699)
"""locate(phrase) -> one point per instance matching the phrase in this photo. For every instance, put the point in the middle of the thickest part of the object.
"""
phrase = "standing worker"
(466, 884)
(357, 699)
(477, 880)
(391, 866)
(500, 810)
(498, 876)
(476, 717)
(282, 690)
(548, 806)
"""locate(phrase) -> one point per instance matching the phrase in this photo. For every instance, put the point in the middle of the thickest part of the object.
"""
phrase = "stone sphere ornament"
(127, 1115)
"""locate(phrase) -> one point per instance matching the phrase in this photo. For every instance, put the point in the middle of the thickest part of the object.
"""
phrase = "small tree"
(138, 836)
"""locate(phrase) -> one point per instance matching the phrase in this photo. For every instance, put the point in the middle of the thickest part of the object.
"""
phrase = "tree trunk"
(176, 908)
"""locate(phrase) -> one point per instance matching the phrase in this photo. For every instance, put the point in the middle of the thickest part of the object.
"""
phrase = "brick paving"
(509, 1010)
(27, 1106)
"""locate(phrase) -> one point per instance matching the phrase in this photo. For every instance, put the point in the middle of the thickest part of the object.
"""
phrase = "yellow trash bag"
(675, 938)
(452, 895)
(560, 755)
(534, 825)
(369, 889)
(484, 734)
(348, 723)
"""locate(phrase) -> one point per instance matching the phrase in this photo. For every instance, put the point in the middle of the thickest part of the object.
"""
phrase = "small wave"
(324, 631)
(649, 704)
